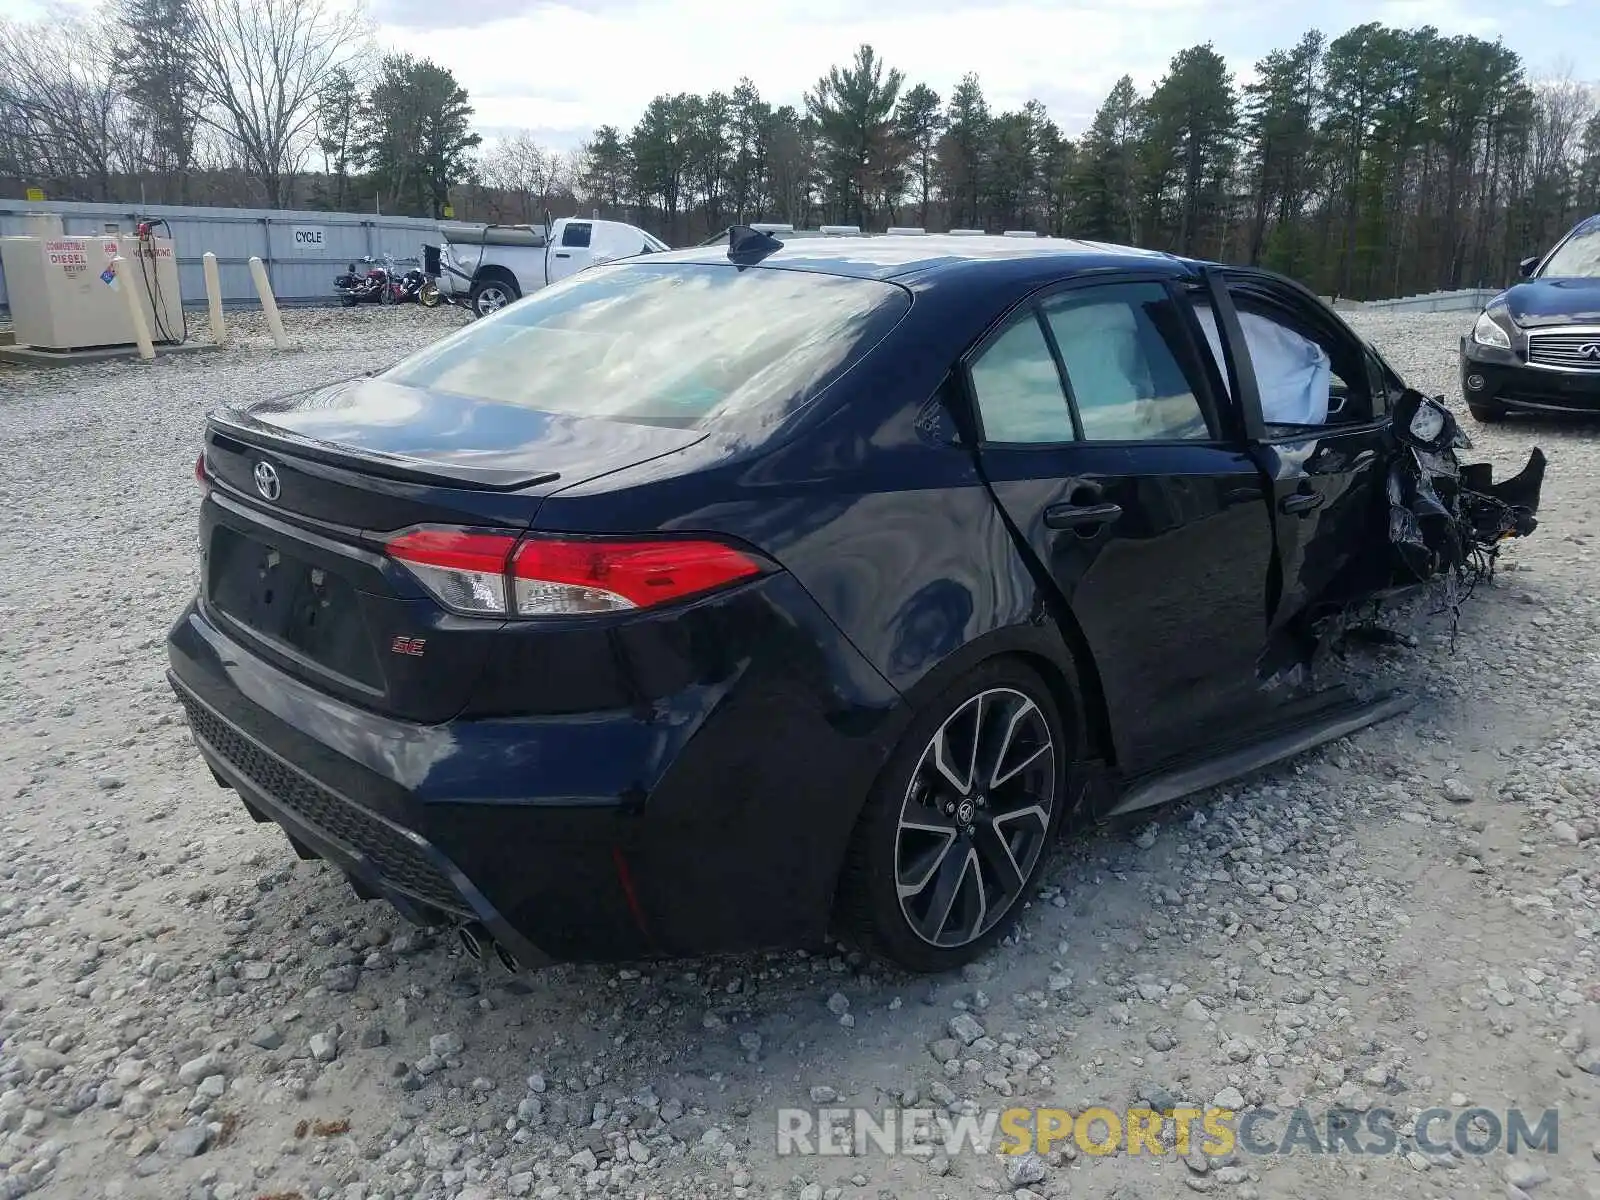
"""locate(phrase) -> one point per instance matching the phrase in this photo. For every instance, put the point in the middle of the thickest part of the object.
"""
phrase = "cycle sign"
(309, 237)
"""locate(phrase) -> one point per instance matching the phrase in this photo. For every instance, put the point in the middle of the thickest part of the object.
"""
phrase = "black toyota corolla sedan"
(742, 596)
(1536, 346)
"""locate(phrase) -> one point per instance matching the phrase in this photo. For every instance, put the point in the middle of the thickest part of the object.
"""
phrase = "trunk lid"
(305, 491)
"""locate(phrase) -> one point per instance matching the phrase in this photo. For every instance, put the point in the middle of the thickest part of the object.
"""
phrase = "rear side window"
(1117, 343)
(577, 234)
(689, 345)
(1018, 387)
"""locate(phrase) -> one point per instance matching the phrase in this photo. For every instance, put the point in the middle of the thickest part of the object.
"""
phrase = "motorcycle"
(416, 285)
(386, 284)
(357, 287)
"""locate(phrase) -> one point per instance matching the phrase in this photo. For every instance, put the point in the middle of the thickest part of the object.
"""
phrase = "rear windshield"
(688, 345)
(1578, 256)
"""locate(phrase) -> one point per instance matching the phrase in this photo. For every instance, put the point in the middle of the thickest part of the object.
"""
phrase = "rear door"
(1316, 403)
(571, 253)
(1105, 446)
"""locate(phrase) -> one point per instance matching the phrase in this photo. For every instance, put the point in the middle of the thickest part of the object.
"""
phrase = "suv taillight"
(500, 575)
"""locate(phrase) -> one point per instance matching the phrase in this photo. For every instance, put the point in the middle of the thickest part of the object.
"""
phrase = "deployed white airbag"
(1292, 372)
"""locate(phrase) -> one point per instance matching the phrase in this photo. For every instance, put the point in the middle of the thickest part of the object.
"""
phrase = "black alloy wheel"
(959, 822)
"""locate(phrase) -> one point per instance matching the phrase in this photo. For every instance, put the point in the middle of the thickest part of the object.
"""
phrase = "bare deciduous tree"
(62, 115)
(532, 173)
(262, 64)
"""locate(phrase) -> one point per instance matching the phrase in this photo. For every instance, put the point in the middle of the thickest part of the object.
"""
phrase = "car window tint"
(1018, 387)
(1126, 379)
(577, 234)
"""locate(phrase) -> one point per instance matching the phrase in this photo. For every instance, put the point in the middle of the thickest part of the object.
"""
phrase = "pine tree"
(162, 81)
(918, 122)
(964, 151)
(852, 107)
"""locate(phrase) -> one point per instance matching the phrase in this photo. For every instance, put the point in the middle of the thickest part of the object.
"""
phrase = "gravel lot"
(1407, 918)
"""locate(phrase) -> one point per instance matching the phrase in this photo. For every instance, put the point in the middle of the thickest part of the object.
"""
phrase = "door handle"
(563, 254)
(1301, 503)
(1080, 516)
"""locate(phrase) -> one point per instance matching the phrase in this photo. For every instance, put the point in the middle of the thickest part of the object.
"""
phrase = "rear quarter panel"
(887, 526)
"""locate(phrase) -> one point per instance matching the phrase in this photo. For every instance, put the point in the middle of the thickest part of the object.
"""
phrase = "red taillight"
(465, 570)
(491, 575)
(200, 472)
(554, 577)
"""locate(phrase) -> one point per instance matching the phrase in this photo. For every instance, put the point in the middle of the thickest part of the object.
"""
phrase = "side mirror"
(1527, 267)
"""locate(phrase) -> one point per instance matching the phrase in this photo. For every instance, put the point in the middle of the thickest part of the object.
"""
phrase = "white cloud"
(562, 68)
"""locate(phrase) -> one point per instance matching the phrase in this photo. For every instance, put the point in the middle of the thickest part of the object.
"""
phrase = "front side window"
(692, 345)
(1018, 387)
(1296, 373)
(1578, 257)
(1119, 346)
(577, 233)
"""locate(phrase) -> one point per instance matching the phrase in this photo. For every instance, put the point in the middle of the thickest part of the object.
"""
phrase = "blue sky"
(560, 69)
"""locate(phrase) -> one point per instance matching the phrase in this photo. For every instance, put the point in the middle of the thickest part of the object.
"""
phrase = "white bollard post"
(258, 272)
(141, 328)
(219, 331)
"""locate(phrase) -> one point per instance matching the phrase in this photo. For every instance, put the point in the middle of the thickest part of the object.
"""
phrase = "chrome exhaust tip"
(472, 939)
(507, 959)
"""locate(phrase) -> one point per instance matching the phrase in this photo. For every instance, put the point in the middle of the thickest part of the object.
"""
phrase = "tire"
(926, 884)
(491, 295)
(428, 295)
(386, 295)
(1486, 412)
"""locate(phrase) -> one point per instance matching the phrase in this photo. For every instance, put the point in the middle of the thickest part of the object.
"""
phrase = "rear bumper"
(711, 819)
(381, 857)
(1497, 379)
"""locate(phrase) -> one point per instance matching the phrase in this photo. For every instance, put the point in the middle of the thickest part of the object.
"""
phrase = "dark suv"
(1536, 346)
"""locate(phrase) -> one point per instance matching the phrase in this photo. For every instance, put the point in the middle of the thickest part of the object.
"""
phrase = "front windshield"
(688, 344)
(1578, 256)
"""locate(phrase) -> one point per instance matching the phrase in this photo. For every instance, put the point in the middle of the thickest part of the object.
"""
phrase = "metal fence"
(1461, 300)
(302, 251)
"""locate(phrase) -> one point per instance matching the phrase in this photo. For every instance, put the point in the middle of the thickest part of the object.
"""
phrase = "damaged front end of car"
(1447, 521)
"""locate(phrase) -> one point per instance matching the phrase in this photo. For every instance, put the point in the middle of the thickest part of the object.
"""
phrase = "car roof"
(901, 257)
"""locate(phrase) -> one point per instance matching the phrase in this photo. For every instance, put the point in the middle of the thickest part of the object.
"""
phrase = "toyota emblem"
(1590, 350)
(267, 481)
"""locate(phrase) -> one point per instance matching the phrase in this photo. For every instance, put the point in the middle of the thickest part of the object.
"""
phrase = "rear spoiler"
(242, 427)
